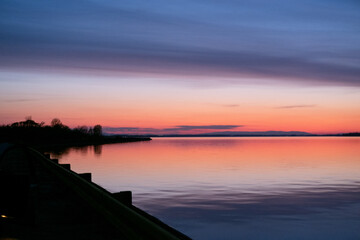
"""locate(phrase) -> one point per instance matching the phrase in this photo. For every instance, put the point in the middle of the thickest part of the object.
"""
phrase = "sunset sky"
(189, 66)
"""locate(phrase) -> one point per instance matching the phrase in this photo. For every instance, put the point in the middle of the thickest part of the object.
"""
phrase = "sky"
(189, 66)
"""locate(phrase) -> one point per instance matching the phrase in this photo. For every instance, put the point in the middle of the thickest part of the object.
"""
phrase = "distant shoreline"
(58, 135)
(70, 144)
(198, 136)
(104, 140)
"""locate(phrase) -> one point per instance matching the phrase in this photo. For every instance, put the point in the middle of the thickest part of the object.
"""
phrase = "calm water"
(237, 188)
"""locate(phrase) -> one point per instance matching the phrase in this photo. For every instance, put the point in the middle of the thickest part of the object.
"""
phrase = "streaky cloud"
(22, 100)
(298, 44)
(205, 130)
(230, 105)
(173, 130)
(202, 127)
(297, 106)
(128, 129)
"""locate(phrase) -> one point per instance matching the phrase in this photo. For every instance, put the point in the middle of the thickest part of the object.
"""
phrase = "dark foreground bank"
(42, 199)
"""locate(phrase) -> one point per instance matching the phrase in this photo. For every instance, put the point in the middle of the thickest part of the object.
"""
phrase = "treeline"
(31, 132)
(351, 134)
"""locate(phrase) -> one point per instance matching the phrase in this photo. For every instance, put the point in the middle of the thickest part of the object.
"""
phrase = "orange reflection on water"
(247, 163)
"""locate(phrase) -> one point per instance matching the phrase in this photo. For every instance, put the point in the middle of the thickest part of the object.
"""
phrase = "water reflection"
(60, 152)
(232, 188)
(97, 149)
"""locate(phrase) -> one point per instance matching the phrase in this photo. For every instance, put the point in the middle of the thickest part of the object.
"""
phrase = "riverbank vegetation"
(33, 133)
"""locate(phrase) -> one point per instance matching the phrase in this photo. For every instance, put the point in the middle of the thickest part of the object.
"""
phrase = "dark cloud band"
(288, 42)
(176, 129)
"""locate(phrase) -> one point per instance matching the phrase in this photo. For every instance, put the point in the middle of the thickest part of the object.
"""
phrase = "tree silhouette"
(82, 129)
(97, 130)
(56, 123)
(39, 134)
(28, 123)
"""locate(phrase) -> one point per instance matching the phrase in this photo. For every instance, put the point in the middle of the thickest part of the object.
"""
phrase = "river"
(236, 188)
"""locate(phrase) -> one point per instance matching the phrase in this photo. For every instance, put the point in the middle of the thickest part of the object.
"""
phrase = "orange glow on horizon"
(144, 103)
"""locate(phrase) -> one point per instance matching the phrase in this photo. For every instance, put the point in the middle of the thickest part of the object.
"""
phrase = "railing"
(127, 221)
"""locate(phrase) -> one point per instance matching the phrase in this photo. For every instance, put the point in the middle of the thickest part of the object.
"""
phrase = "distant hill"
(240, 134)
(352, 134)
